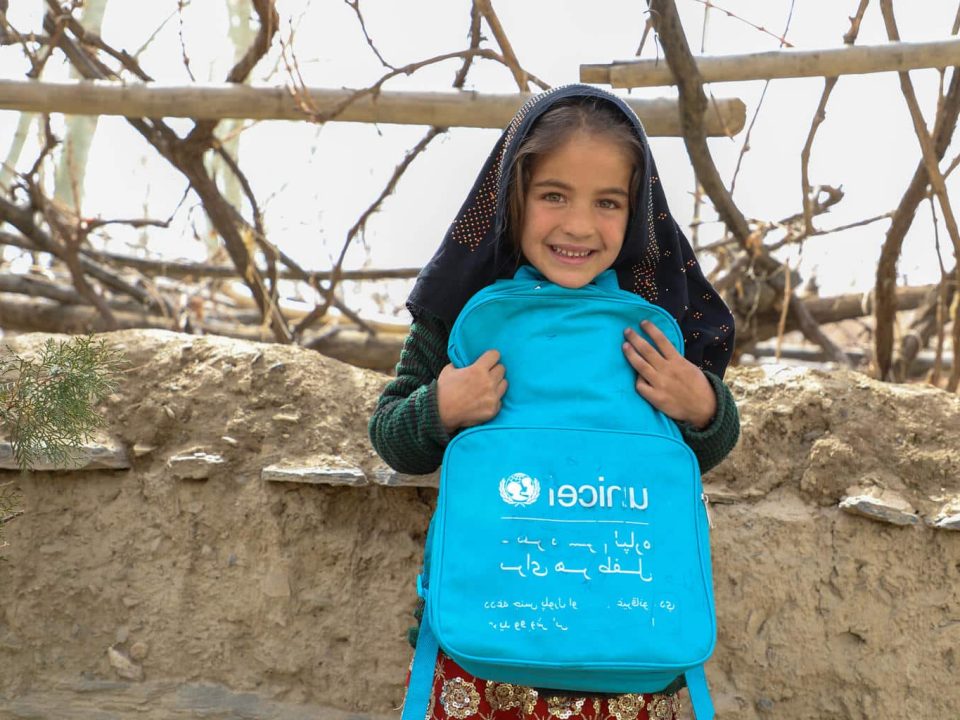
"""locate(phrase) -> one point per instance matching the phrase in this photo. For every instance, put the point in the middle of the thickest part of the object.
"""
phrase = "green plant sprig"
(48, 403)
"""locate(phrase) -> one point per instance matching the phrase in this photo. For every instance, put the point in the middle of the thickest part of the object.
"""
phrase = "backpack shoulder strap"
(421, 672)
(699, 693)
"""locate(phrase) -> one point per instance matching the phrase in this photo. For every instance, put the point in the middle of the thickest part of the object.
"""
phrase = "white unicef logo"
(519, 489)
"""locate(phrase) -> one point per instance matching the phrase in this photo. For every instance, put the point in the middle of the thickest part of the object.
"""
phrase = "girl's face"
(576, 209)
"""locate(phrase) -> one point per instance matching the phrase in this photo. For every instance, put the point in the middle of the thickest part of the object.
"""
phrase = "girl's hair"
(591, 115)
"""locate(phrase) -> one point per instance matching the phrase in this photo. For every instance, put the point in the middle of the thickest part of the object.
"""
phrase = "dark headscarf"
(655, 262)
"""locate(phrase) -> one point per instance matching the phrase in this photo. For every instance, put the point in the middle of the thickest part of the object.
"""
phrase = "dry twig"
(693, 103)
(931, 160)
(186, 155)
(355, 6)
(480, 8)
(818, 117)
(519, 74)
(358, 226)
(756, 113)
(782, 39)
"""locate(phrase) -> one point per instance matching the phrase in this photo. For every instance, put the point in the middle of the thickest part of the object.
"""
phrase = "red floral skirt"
(457, 694)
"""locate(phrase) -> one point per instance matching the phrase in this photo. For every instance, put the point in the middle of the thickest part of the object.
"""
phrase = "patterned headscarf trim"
(656, 260)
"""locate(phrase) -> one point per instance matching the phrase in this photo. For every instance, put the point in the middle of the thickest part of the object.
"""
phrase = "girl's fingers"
(647, 351)
(501, 388)
(644, 369)
(646, 375)
(489, 359)
(665, 347)
(497, 373)
(644, 390)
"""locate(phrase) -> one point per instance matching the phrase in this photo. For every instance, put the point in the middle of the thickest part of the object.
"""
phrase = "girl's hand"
(471, 395)
(667, 380)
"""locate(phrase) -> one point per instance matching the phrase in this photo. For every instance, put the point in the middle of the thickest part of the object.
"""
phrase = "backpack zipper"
(706, 507)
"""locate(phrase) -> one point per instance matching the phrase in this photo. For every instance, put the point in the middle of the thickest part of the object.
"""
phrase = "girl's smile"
(571, 253)
(576, 210)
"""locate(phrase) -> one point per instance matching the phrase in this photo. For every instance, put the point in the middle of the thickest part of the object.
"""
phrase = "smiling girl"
(572, 190)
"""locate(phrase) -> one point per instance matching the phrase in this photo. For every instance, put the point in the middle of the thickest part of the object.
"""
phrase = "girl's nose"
(577, 222)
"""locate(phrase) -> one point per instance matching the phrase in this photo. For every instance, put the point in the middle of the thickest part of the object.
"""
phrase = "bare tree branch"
(745, 147)
(36, 287)
(181, 4)
(781, 38)
(475, 39)
(693, 103)
(36, 239)
(337, 272)
(519, 74)
(928, 321)
(187, 154)
(355, 5)
(269, 24)
(931, 158)
(818, 117)
(378, 352)
(358, 226)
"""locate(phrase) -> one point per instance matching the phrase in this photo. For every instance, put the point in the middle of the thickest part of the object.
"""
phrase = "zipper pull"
(706, 506)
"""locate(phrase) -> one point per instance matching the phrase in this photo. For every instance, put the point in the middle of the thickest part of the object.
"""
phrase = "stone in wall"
(196, 465)
(387, 476)
(104, 454)
(948, 516)
(314, 474)
(125, 668)
(885, 507)
(948, 522)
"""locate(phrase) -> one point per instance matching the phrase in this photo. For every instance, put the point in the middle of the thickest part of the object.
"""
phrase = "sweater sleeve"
(405, 427)
(714, 442)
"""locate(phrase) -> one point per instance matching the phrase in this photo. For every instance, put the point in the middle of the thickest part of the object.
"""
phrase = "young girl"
(571, 189)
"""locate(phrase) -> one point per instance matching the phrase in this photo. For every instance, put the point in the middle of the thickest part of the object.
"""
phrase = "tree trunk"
(80, 129)
(241, 34)
(8, 169)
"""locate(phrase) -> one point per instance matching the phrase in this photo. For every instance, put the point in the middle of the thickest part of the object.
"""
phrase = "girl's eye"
(609, 204)
(552, 197)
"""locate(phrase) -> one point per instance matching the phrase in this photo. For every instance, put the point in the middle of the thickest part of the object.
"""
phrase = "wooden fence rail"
(859, 60)
(213, 102)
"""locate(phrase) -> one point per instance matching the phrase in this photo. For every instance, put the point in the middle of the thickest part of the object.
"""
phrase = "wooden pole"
(921, 364)
(379, 352)
(860, 60)
(213, 102)
(182, 269)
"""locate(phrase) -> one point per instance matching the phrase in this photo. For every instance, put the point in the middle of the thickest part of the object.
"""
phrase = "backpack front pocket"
(581, 555)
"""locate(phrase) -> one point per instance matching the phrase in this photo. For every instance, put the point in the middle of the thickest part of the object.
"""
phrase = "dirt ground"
(144, 582)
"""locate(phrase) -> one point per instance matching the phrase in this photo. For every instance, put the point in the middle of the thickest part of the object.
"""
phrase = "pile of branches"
(84, 290)
(759, 288)
(78, 289)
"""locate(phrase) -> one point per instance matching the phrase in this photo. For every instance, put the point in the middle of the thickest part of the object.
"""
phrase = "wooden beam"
(214, 102)
(184, 269)
(857, 60)
(378, 352)
(921, 364)
(766, 322)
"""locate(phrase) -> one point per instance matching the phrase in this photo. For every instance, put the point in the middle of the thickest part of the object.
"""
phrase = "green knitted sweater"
(405, 428)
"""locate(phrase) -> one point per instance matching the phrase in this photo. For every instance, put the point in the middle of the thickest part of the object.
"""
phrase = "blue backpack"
(569, 549)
